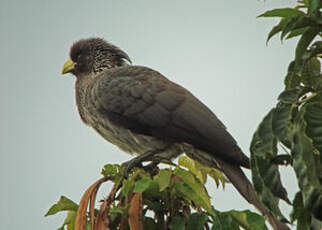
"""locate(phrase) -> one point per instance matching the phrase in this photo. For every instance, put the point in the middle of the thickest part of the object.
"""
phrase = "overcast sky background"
(216, 49)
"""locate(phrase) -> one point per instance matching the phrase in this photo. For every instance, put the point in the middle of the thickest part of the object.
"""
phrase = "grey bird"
(142, 112)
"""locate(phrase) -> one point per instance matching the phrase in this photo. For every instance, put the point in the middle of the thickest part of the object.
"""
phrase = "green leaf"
(153, 190)
(142, 185)
(249, 220)
(186, 192)
(300, 214)
(265, 175)
(193, 189)
(307, 160)
(149, 223)
(315, 224)
(218, 176)
(201, 171)
(313, 6)
(177, 223)
(302, 45)
(311, 73)
(317, 97)
(114, 171)
(313, 118)
(316, 49)
(284, 12)
(196, 221)
(292, 80)
(295, 25)
(70, 220)
(305, 2)
(300, 26)
(263, 151)
(291, 96)
(163, 179)
(119, 210)
(297, 32)
(110, 170)
(64, 204)
(291, 22)
(191, 165)
(127, 186)
(276, 29)
(223, 221)
(303, 21)
(155, 205)
(282, 123)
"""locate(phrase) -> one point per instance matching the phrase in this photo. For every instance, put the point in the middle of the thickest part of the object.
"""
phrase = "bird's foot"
(137, 162)
(152, 168)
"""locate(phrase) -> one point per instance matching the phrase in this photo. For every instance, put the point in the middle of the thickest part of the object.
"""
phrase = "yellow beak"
(68, 67)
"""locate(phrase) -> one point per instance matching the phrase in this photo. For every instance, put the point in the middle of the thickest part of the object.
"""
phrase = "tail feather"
(246, 189)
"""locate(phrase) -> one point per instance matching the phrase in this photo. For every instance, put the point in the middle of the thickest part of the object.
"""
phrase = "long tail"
(246, 189)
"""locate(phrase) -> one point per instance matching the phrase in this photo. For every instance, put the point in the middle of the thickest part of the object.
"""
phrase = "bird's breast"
(132, 142)
(125, 139)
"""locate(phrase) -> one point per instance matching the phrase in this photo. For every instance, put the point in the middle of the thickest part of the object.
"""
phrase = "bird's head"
(93, 55)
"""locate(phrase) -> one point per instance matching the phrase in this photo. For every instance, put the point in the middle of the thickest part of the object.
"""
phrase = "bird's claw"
(137, 161)
(129, 165)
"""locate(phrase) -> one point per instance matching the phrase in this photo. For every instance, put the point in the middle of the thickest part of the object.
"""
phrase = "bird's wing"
(146, 102)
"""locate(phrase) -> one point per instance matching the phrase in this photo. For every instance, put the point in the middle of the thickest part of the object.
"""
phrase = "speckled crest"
(96, 55)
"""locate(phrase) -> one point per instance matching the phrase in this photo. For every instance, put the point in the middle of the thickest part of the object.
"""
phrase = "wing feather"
(146, 102)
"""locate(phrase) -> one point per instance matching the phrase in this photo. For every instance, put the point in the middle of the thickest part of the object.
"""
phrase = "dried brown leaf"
(88, 196)
(135, 212)
(102, 220)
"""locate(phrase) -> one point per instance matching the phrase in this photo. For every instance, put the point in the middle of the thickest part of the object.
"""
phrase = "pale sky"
(216, 49)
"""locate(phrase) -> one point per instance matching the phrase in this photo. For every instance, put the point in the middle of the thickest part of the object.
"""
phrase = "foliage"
(296, 121)
(173, 198)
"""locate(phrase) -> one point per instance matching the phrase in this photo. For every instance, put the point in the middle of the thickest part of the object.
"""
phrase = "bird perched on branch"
(142, 112)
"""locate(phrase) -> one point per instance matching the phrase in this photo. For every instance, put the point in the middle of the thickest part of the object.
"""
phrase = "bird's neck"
(81, 89)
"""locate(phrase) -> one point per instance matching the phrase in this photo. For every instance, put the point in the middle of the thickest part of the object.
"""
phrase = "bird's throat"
(81, 88)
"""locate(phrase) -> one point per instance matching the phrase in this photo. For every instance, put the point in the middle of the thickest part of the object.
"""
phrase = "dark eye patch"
(75, 55)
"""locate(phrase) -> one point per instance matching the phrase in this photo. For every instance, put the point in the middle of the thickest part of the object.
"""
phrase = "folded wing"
(144, 101)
